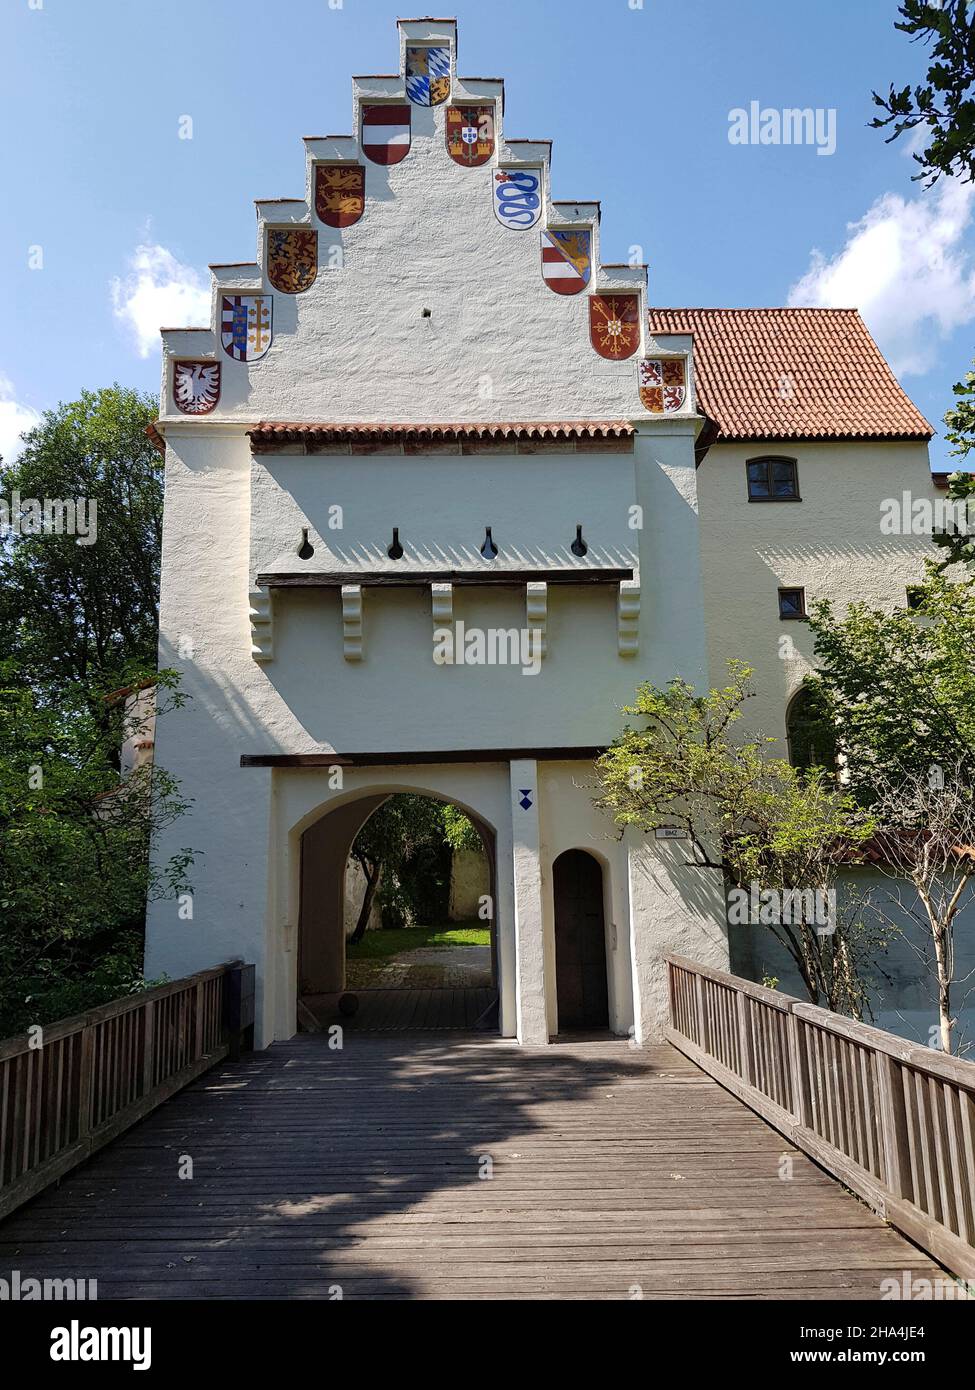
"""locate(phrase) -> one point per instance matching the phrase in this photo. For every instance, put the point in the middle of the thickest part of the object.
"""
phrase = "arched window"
(772, 480)
(812, 740)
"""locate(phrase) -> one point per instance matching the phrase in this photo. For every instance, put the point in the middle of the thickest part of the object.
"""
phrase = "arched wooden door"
(580, 941)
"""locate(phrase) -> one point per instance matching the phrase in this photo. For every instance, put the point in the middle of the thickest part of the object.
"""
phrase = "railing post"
(238, 1008)
(893, 1131)
(148, 1046)
(702, 1026)
(86, 1076)
(801, 1104)
(744, 1039)
(198, 1004)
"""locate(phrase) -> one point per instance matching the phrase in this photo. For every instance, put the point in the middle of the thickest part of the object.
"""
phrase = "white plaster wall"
(498, 344)
(680, 909)
(470, 880)
(830, 543)
(441, 505)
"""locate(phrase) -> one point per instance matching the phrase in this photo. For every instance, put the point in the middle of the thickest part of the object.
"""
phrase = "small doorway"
(580, 942)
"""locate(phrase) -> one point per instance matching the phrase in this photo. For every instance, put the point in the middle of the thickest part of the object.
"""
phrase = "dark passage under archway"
(580, 941)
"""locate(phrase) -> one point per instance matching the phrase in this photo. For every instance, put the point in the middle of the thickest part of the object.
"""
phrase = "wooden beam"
(439, 755)
(405, 579)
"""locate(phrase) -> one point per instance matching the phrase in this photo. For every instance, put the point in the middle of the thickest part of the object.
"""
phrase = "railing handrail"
(75, 1023)
(927, 1059)
(75, 1084)
(891, 1119)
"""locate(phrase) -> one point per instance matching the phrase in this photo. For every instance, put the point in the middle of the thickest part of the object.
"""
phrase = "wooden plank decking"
(413, 1010)
(612, 1172)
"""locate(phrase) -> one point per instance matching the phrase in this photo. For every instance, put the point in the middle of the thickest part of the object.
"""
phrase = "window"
(773, 480)
(915, 597)
(811, 739)
(792, 603)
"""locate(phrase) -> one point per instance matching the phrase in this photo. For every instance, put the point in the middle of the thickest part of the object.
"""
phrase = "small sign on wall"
(669, 832)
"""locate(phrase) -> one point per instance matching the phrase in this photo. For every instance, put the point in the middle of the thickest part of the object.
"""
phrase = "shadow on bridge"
(427, 1167)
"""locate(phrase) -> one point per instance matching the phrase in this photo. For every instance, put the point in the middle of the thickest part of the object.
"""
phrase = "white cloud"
(905, 267)
(14, 419)
(159, 292)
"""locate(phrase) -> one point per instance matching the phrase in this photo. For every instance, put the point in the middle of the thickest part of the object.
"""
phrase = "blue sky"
(127, 215)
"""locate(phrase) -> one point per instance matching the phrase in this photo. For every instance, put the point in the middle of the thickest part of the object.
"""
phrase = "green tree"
(75, 872)
(395, 841)
(943, 105)
(85, 615)
(958, 541)
(899, 687)
(744, 811)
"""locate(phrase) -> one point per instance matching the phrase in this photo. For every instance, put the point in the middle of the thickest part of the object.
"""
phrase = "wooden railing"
(81, 1081)
(893, 1121)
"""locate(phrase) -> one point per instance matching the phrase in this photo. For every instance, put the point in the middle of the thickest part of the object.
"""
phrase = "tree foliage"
(942, 106)
(85, 616)
(404, 850)
(77, 621)
(743, 810)
(75, 872)
(899, 687)
(958, 542)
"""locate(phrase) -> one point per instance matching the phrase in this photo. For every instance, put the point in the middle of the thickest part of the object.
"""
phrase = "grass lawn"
(379, 945)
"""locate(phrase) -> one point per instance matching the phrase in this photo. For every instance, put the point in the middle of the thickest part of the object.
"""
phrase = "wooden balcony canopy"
(406, 578)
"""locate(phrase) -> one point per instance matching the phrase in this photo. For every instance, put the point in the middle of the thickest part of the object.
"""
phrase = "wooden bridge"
(459, 1166)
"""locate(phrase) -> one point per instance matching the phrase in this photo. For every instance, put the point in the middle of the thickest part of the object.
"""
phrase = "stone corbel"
(628, 617)
(536, 614)
(442, 609)
(352, 622)
(262, 625)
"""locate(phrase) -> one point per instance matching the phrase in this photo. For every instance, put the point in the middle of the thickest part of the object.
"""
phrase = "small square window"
(773, 480)
(792, 603)
(915, 597)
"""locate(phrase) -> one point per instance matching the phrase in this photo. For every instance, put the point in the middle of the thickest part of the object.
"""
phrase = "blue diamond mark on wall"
(525, 801)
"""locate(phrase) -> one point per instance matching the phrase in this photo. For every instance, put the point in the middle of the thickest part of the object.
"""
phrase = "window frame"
(799, 589)
(768, 460)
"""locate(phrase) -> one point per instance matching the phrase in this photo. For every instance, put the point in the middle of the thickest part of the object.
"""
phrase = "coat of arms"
(196, 387)
(292, 259)
(386, 133)
(427, 75)
(663, 384)
(614, 324)
(518, 198)
(245, 325)
(470, 134)
(340, 193)
(566, 260)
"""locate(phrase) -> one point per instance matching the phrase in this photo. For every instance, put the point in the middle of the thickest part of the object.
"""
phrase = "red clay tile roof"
(272, 433)
(792, 374)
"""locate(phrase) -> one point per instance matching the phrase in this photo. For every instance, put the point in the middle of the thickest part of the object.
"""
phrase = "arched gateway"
(430, 519)
(325, 850)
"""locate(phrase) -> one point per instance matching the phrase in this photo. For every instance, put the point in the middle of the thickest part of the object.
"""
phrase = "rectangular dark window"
(773, 480)
(792, 603)
(915, 597)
